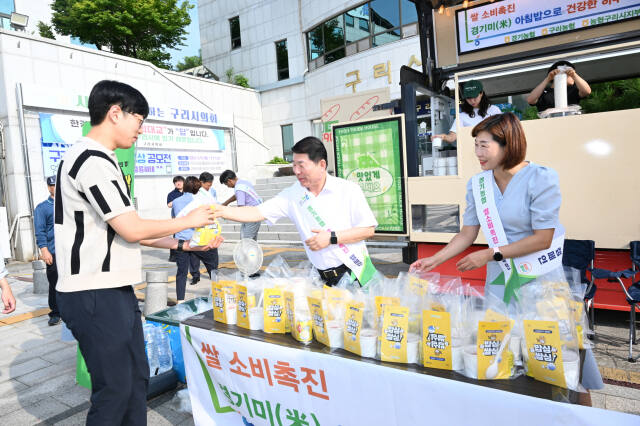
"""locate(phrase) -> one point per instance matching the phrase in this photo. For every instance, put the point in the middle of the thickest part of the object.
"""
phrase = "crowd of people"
(89, 233)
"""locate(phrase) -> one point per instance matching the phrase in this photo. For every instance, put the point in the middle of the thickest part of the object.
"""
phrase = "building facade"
(298, 52)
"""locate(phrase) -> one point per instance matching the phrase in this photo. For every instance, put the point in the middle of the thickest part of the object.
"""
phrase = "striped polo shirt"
(90, 191)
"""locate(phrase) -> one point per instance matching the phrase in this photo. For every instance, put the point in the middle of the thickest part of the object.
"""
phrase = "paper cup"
(571, 365)
(439, 162)
(436, 142)
(452, 161)
(452, 170)
(470, 361)
(457, 358)
(413, 351)
(232, 315)
(256, 319)
(335, 333)
(368, 342)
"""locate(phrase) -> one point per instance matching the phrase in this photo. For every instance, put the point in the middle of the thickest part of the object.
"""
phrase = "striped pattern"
(91, 190)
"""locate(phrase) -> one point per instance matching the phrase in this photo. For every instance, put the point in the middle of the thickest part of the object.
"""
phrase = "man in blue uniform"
(43, 222)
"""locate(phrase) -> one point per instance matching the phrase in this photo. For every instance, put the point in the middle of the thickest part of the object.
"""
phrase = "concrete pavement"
(37, 369)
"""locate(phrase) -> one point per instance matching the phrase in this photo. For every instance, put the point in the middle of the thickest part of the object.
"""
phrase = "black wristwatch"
(334, 238)
(497, 256)
(180, 245)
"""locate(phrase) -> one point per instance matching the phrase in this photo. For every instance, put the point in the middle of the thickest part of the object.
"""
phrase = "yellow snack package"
(224, 302)
(245, 302)
(544, 352)
(274, 315)
(203, 236)
(418, 285)
(493, 337)
(395, 333)
(318, 320)
(353, 326)
(300, 330)
(436, 340)
(382, 301)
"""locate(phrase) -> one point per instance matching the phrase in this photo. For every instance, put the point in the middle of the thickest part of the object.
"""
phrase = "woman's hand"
(8, 300)
(425, 264)
(475, 260)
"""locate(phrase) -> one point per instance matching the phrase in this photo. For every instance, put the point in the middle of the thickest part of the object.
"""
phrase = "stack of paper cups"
(413, 344)
(440, 166)
(256, 318)
(560, 90)
(368, 342)
(452, 165)
(335, 333)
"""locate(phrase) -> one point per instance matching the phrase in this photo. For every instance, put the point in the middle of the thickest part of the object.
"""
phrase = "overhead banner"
(371, 154)
(160, 136)
(503, 22)
(160, 163)
(238, 381)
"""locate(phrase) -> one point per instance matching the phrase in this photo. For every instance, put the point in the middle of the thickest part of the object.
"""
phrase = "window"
(282, 59)
(287, 141)
(379, 21)
(234, 28)
(7, 7)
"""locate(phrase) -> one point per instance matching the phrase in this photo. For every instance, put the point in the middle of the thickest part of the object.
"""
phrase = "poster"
(161, 136)
(167, 163)
(370, 154)
(497, 24)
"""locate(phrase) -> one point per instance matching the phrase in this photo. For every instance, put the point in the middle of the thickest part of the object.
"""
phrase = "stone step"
(276, 180)
(271, 187)
(278, 227)
(265, 235)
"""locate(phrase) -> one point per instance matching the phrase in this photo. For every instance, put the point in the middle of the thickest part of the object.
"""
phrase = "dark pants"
(186, 260)
(52, 277)
(106, 323)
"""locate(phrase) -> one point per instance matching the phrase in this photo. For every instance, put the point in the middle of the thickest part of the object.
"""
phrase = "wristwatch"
(497, 255)
(180, 244)
(334, 238)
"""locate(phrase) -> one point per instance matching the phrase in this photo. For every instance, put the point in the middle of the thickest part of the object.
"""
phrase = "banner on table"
(162, 163)
(238, 381)
(159, 136)
(370, 154)
(500, 23)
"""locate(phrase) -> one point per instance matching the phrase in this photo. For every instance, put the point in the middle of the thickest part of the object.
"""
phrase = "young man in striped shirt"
(98, 235)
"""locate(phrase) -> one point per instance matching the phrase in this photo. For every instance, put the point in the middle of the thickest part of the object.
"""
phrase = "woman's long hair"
(482, 108)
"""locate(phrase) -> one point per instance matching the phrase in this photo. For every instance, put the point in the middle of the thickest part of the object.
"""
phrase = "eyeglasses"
(137, 117)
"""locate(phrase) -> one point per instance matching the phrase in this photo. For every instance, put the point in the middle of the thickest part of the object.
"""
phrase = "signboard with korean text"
(59, 132)
(504, 22)
(370, 153)
(158, 136)
(163, 163)
(235, 380)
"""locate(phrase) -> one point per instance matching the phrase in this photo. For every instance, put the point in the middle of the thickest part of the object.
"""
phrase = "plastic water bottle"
(164, 351)
(151, 342)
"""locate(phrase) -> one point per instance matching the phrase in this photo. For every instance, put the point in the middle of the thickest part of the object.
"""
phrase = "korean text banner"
(500, 23)
(370, 154)
(159, 163)
(238, 381)
(59, 132)
(160, 136)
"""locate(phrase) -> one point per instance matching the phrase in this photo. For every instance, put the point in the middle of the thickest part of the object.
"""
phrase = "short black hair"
(178, 179)
(560, 63)
(107, 93)
(206, 177)
(226, 175)
(311, 146)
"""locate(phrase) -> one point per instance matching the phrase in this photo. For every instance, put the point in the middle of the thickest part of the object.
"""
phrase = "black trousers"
(107, 325)
(186, 260)
(52, 277)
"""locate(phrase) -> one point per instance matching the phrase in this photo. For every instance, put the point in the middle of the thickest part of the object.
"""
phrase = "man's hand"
(46, 255)
(425, 264)
(213, 244)
(475, 260)
(318, 241)
(8, 300)
(200, 217)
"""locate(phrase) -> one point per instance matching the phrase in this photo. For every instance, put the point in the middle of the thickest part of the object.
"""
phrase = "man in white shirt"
(331, 215)
(97, 237)
(206, 179)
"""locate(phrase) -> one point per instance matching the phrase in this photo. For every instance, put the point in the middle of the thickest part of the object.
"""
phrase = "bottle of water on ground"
(164, 351)
(151, 343)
